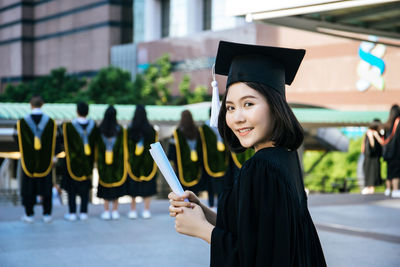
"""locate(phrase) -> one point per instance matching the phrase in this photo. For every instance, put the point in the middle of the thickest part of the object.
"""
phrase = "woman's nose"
(239, 116)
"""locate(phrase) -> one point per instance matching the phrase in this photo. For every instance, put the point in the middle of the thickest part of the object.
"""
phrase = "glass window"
(165, 9)
(207, 14)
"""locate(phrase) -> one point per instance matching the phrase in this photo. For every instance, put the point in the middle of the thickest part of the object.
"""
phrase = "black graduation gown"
(78, 185)
(264, 220)
(391, 154)
(372, 163)
(172, 155)
(41, 184)
(112, 177)
(142, 170)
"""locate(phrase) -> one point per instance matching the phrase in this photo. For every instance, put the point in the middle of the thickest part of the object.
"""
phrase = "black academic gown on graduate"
(112, 175)
(264, 220)
(215, 160)
(391, 154)
(189, 172)
(36, 164)
(78, 166)
(372, 163)
(142, 170)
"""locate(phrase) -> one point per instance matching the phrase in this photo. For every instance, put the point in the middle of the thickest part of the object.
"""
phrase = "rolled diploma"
(165, 167)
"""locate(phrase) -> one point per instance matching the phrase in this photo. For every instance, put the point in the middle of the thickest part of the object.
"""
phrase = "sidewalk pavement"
(354, 230)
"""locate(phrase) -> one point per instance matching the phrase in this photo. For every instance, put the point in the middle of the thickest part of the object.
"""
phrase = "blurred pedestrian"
(372, 149)
(142, 169)
(391, 152)
(111, 163)
(37, 134)
(80, 138)
(185, 153)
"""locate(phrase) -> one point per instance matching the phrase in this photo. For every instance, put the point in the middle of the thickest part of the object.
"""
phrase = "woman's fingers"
(172, 195)
(174, 209)
(177, 203)
(181, 204)
(175, 197)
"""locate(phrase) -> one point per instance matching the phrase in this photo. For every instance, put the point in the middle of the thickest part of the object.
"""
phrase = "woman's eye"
(248, 104)
(229, 108)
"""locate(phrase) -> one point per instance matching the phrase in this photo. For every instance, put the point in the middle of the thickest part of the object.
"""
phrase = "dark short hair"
(286, 132)
(375, 124)
(36, 101)
(82, 108)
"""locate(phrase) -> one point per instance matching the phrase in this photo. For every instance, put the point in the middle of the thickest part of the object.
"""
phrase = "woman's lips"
(244, 131)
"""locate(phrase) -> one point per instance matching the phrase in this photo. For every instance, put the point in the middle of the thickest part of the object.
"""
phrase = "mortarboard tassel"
(215, 105)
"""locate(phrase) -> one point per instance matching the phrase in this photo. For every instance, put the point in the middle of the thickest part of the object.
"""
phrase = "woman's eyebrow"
(242, 98)
(247, 96)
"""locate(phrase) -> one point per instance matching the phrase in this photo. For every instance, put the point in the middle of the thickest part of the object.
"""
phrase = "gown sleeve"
(264, 221)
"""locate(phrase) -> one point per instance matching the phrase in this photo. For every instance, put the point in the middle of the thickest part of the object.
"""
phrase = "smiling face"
(248, 116)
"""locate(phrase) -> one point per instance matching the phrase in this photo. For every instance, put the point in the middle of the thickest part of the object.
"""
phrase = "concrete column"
(220, 20)
(195, 16)
(147, 20)
(186, 17)
(178, 18)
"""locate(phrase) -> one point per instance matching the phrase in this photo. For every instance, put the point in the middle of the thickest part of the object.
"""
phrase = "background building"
(352, 46)
(169, 20)
(341, 38)
(37, 36)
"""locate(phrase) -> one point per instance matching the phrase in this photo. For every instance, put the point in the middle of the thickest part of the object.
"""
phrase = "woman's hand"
(178, 202)
(192, 222)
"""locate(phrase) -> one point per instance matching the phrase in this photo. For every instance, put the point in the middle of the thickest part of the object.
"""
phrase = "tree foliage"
(335, 169)
(57, 87)
(199, 94)
(111, 85)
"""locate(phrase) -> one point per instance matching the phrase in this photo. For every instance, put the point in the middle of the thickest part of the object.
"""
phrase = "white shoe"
(47, 218)
(115, 215)
(83, 216)
(396, 193)
(70, 217)
(106, 215)
(27, 219)
(146, 214)
(365, 191)
(132, 214)
(387, 192)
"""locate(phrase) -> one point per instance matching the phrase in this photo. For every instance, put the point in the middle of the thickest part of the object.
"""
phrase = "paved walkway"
(354, 230)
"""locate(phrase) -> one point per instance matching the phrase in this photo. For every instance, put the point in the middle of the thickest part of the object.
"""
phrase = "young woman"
(142, 169)
(111, 163)
(391, 152)
(372, 149)
(263, 220)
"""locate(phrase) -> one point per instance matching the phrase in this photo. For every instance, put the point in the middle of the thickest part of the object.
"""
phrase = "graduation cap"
(272, 66)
